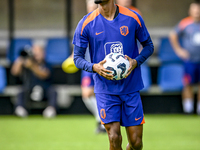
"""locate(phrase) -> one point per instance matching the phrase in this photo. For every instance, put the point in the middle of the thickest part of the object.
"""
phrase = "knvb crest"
(113, 47)
(124, 30)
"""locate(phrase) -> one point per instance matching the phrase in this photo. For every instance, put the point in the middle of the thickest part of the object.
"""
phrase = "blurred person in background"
(36, 79)
(87, 82)
(128, 4)
(188, 30)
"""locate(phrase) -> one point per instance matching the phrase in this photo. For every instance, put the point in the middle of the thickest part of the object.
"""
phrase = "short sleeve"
(80, 37)
(178, 29)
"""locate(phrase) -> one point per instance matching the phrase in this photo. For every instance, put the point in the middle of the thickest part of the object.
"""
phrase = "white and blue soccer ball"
(118, 64)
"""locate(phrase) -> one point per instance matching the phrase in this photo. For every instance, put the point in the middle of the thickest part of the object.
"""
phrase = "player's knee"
(115, 139)
(136, 143)
(86, 93)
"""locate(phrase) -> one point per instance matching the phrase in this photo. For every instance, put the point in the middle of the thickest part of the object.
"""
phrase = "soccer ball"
(118, 64)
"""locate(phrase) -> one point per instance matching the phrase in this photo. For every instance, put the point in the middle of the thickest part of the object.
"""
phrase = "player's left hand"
(133, 65)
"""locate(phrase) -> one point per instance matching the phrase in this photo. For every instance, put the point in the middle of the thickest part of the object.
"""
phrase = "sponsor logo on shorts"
(136, 119)
(103, 113)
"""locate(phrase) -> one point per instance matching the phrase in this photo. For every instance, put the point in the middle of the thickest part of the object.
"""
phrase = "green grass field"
(76, 132)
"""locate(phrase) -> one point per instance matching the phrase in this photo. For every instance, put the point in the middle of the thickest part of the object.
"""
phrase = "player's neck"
(108, 10)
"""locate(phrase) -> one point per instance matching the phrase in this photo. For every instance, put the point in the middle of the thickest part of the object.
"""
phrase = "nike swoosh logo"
(99, 32)
(136, 119)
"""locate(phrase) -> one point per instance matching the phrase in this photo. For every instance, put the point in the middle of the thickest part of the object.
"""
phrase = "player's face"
(195, 11)
(100, 1)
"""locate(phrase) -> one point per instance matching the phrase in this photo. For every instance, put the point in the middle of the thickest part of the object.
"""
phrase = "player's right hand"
(98, 68)
(133, 65)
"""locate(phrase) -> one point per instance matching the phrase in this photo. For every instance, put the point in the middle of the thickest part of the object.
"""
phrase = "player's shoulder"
(130, 13)
(185, 22)
(88, 18)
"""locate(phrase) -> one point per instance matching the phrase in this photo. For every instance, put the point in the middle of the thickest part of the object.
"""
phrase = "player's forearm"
(173, 37)
(147, 51)
(17, 67)
(79, 60)
(95, 68)
(41, 73)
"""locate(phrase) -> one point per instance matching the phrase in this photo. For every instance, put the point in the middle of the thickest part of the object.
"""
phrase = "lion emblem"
(124, 30)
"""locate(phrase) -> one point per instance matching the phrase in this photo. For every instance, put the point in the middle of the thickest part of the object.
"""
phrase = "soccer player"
(107, 29)
(189, 30)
